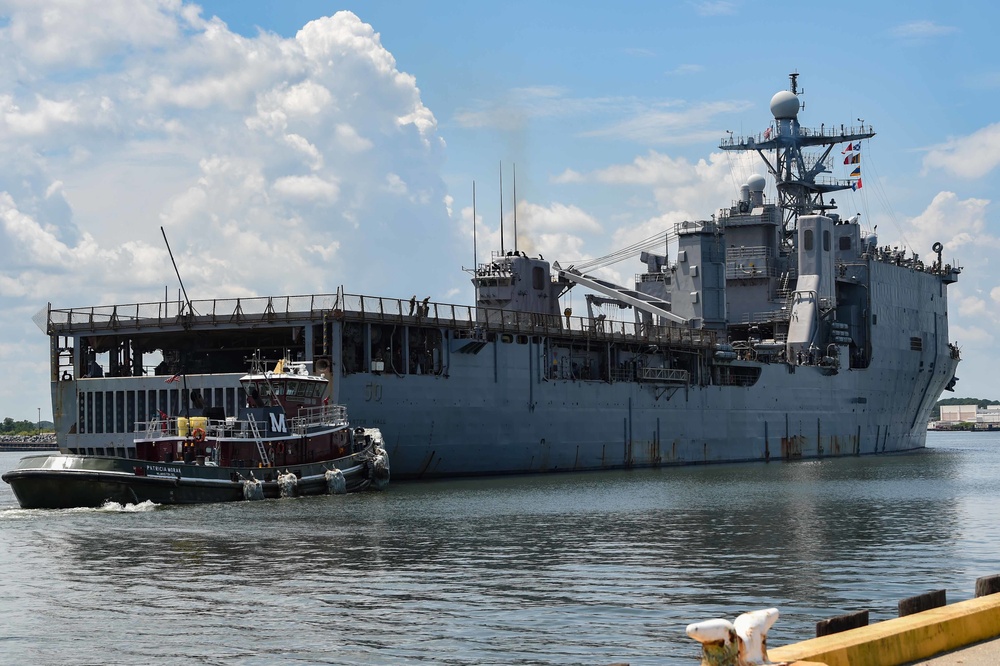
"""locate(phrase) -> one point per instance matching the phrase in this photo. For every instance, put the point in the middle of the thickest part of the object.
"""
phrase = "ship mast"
(795, 172)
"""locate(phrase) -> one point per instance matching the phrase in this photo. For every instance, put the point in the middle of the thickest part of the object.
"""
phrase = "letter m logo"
(278, 423)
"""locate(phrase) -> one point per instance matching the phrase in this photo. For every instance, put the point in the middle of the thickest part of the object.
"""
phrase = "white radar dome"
(756, 183)
(784, 105)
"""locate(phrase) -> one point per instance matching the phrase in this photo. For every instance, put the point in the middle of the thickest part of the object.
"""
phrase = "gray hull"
(490, 429)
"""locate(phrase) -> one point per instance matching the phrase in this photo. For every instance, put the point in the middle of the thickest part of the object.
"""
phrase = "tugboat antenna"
(187, 301)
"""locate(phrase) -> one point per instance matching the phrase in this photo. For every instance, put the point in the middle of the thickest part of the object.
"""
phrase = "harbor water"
(560, 569)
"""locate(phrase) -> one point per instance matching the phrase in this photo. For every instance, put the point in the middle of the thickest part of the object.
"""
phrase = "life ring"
(281, 448)
(198, 435)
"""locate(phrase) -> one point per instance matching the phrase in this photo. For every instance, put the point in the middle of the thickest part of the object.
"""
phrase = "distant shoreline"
(43, 442)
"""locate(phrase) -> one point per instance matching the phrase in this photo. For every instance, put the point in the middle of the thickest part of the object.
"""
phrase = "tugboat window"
(807, 239)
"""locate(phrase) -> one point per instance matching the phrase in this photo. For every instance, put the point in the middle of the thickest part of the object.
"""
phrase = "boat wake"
(115, 507)
(13, 513)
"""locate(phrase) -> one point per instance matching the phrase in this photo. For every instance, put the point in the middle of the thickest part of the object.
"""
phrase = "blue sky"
(297, 147)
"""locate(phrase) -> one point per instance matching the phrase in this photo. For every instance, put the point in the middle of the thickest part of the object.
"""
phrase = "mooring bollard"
(739, 643)
(835, 625)
(987, 585)
(922, 602)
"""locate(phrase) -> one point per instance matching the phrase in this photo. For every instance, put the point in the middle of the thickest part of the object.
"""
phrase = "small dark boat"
(286, 442)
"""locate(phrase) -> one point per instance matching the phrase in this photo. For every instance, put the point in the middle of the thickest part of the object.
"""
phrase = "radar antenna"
(795, 172)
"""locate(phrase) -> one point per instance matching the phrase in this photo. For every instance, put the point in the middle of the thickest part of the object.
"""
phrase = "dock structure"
(905, 640)
(965, 633)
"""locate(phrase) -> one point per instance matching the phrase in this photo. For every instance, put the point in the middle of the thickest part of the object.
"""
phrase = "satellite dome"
(784, 105)
(756, 183)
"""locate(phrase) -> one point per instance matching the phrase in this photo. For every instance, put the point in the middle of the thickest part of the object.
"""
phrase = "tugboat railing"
(324, 415)
(307, 418)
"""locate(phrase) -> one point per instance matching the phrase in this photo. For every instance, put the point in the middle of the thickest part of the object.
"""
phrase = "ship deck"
(172, 316)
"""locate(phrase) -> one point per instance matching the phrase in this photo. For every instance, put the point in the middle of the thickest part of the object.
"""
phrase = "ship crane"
(636, 299)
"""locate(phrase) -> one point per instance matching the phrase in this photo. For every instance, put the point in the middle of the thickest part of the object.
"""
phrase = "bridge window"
(807, 240)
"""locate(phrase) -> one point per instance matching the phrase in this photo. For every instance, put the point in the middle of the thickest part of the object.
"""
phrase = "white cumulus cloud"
(971, 156)
(307, 188)
(266, 159)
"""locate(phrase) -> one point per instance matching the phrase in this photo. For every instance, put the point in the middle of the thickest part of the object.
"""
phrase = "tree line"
(11, 427)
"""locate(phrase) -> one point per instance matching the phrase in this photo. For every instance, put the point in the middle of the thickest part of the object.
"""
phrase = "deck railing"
(318, 307)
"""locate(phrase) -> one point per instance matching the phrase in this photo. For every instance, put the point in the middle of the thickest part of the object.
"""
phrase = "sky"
(297, 147)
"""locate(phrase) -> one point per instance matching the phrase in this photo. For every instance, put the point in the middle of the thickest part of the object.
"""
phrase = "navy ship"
(778, 330)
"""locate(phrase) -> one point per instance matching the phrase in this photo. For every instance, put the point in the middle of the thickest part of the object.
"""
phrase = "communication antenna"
(514, 169)
(501, 209)
(475, 252)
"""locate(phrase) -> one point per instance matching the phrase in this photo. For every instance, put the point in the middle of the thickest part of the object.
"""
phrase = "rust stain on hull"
(654, 453)
(791, 447)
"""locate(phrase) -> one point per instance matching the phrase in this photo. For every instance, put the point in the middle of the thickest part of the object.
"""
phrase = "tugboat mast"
(795, 173)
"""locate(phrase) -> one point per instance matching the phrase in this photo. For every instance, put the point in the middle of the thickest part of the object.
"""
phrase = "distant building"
(958, 413)
(984, 419)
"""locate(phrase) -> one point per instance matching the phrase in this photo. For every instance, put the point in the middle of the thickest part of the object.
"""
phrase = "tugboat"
(287, 441)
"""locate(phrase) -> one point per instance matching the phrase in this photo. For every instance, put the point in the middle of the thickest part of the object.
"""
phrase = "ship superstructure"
(778, 330)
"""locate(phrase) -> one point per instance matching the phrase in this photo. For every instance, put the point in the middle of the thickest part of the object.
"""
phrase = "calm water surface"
(566, 569)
